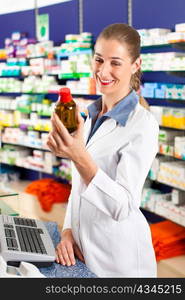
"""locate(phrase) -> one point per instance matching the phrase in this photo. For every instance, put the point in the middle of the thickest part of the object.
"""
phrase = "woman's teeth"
(106, 81)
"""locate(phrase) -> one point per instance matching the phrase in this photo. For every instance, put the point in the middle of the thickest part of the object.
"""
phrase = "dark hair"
(129, 36)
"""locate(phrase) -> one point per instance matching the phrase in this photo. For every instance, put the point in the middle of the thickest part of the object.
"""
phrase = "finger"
(61, 129)
(50, 147)
(71, 254)
(52, 142)
(58, 141)
(65, 256)
(52, 119)
(56, 123)
(59, 258)
(78, 253)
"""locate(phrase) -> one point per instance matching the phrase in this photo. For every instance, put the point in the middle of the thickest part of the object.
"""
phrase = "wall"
(100, 13)
(20, 21)
(63, 20)
(158, 13)
(97, 14)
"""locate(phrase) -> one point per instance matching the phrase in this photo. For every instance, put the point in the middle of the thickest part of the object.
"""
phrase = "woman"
(111, 155)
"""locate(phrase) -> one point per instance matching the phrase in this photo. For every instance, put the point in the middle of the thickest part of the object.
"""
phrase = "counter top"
(79, 270)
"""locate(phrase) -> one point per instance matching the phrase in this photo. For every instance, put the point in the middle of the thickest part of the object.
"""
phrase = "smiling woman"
(113, 69)
(117, 62)
(111, 156)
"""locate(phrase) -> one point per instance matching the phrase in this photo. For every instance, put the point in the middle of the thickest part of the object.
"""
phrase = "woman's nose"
(104, 70)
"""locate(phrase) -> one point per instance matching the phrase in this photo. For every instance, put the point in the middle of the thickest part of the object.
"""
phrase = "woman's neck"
(109, 101)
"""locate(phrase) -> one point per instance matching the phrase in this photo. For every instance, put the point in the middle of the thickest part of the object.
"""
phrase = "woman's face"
(112, 67)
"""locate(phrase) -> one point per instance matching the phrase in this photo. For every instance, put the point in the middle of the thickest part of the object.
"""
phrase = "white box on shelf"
(178, 197)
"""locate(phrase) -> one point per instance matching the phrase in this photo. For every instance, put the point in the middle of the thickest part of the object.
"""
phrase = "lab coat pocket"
(103, 221)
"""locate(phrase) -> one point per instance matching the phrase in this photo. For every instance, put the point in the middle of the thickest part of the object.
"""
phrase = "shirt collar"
(119, 112)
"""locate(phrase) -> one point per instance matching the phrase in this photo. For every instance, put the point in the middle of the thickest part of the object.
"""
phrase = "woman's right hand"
(67, 249)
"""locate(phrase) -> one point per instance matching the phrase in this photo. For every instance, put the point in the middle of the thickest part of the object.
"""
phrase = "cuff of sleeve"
(107, 195)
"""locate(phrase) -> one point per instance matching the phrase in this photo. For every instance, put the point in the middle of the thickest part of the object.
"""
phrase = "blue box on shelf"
(160, 93)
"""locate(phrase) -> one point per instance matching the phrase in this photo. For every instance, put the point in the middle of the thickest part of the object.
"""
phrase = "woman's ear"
(136, 65)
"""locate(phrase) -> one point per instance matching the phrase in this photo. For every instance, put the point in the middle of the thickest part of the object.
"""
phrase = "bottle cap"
(65, 95)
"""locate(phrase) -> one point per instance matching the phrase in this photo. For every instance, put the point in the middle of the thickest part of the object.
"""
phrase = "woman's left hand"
(64, 144)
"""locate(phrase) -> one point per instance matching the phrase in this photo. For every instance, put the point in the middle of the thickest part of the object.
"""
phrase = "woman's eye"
(115, 63)
(99, 60)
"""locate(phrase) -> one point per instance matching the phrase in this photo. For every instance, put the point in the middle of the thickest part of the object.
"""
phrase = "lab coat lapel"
(106, 127)
(87, 129)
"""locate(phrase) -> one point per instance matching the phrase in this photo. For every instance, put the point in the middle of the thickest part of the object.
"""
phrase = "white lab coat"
(105, 218)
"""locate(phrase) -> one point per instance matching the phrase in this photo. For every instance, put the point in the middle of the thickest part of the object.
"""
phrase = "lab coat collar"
(119, 114)
(120, 111)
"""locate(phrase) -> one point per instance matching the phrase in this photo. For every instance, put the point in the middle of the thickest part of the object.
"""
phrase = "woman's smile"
(105, 82)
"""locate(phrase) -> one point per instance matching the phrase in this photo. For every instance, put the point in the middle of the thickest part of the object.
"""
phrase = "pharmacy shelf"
(165, 102)
(179, 73)
(162, 215)
(78, 52)
(33, 169)
(17, 94)
(27, 113)
(171, 156)
(50, 174)
(154, 46)
(21, 77)
(167, 99)
(26, 128)
(22, 58)
(12, 76)
(53, 95)
(177, 45)
(33, 57)
(166, 183)
(171, 128)
(26, 146)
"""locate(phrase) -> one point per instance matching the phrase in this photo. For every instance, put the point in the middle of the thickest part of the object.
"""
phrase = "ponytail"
(136, 80)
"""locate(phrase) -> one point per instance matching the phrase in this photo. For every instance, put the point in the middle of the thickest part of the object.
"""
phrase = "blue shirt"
(119, 112)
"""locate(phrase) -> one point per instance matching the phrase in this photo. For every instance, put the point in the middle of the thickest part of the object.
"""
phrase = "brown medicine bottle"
(65, 108)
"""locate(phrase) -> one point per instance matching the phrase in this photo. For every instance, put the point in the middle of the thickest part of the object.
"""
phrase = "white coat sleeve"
(67, 219)
(115, 197)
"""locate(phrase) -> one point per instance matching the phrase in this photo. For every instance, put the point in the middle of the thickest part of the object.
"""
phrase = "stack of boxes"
(163, 90)
(169, 116)
(169, 205)
(168, 61)
(158, 36)
(168, 141)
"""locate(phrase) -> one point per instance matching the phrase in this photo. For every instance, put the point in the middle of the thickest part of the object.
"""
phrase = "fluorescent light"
(9, 6)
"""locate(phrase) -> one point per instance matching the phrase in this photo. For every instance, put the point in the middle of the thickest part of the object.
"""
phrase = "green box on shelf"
(67, 75)
(73, 75)
(25, 110)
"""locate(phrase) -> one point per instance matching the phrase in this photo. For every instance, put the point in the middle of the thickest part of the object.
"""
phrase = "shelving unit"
(165, 208)
(177, 45)
(50, 93)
